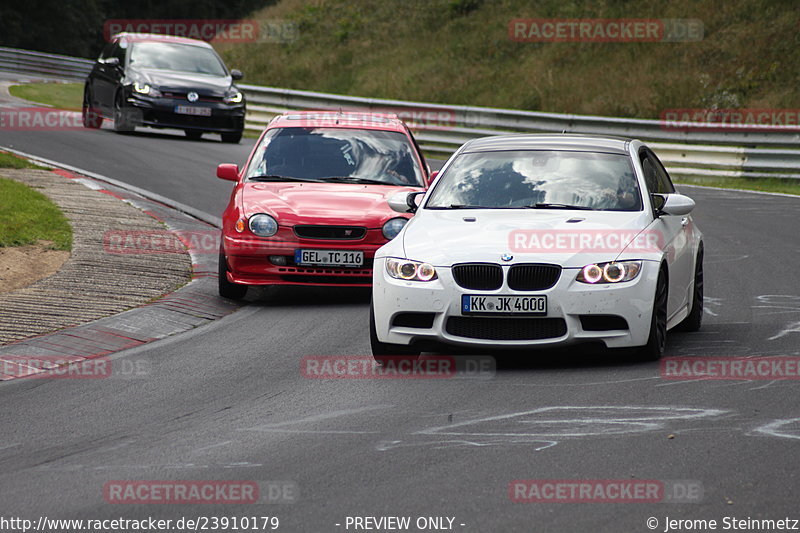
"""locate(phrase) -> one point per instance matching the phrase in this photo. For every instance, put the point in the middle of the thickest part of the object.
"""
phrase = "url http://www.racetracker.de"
(44, 524)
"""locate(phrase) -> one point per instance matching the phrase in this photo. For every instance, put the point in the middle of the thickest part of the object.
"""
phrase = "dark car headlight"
(263, 225)
(146, 89)
(393, 226)
(611, 272)
(234, 98)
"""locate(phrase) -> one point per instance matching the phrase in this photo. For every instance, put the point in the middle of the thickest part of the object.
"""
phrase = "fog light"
(279, 260)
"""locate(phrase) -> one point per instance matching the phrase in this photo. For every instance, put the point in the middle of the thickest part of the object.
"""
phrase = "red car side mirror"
(228, 171)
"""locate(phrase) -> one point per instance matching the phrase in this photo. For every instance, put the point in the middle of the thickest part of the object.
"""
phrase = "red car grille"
(330, 232)
(331, 276)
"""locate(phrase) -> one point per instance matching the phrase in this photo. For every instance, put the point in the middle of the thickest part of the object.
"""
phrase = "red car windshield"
(336, 154)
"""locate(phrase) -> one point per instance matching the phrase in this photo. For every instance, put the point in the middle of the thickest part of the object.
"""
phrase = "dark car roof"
(548, 141)
(155, 37)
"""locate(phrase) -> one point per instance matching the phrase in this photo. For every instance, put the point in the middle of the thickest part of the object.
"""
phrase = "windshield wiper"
(558, 206)
(354, 179)
(462, 206)
(278, 177)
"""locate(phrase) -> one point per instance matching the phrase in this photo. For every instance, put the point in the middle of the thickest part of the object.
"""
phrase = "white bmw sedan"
(534, 241)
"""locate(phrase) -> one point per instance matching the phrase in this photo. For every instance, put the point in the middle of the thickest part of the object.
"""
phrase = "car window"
(665, 185)
(417, 148)
(119, 52)
(319, 153)
(520, 179)
(649, 171)
(177, 57)
(655, 176)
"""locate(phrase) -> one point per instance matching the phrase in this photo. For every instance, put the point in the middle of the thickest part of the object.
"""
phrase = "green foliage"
(27, 216)
(76, 27)
(11, 161)
(459, 52)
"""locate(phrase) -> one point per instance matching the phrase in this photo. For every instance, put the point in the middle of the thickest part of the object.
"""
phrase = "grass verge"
(59, 95)
(8, 160)
(785, 186)
(28, 216)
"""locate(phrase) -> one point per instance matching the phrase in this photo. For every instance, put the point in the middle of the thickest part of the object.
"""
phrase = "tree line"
(75, 27)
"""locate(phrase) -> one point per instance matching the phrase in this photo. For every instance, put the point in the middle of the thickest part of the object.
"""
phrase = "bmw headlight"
(234, 98)
(393, 227)
(408, 270)
(143, 88)
(263, 225)
(612, 272)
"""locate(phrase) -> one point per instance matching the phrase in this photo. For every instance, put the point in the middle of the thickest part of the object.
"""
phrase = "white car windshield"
(557, 179)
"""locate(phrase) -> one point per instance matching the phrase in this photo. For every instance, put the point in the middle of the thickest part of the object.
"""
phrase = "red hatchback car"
(310, 205)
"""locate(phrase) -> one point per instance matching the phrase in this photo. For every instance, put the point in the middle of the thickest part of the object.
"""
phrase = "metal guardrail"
(442, 128)
(51, 65)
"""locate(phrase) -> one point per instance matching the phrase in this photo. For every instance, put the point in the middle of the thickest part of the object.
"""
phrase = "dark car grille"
(184, 96)
(506, 329)
(489, 276)
(478, 276)
(533, 277)
(330, 232)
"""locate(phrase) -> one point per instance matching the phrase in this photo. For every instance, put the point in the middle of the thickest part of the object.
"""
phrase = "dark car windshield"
(176, 57)
(337, 154)
(556, 179)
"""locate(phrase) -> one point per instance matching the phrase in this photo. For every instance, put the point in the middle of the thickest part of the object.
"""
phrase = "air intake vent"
(506, 329)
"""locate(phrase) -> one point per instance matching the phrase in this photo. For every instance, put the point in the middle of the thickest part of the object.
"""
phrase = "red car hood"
(322, 203)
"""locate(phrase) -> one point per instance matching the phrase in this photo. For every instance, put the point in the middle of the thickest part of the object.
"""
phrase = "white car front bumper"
(412, 311)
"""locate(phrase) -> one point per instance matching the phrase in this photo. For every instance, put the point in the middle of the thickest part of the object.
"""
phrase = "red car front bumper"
(253, 261)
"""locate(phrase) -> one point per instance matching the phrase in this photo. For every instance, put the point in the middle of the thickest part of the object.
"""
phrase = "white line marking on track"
(777, 429)
(325, 416)
(794, 327)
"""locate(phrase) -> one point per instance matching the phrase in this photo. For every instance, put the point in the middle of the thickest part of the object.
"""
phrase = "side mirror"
(228, 171)
(673, 204)
(405, 202)
(431, 177)
(236, 74)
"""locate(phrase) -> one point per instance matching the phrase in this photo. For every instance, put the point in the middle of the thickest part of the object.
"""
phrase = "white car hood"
(444, 237)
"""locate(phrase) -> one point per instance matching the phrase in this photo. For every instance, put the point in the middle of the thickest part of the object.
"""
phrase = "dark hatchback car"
(164, 82)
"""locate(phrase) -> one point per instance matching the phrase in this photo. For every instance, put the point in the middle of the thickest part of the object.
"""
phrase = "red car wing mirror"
(228, 171)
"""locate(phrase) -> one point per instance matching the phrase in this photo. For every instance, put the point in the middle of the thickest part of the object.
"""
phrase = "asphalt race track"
(228, 401)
